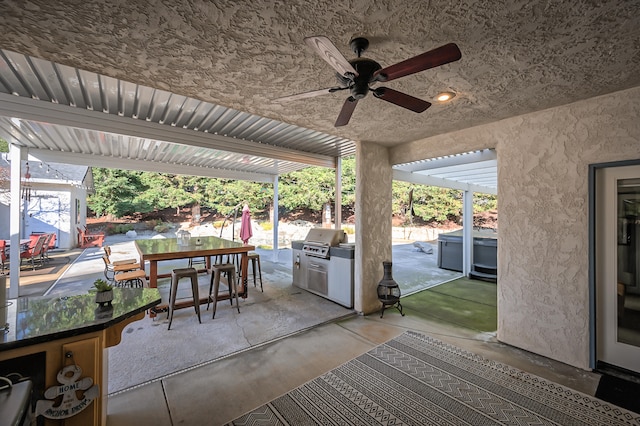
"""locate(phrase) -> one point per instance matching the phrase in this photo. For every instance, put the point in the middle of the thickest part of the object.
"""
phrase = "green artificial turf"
(463, 302)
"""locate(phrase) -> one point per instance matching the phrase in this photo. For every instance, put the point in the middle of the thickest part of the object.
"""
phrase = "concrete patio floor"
(213, 372)
(217, 392)
(279, 311)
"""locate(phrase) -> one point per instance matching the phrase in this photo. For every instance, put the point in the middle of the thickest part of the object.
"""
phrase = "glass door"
(618, 266)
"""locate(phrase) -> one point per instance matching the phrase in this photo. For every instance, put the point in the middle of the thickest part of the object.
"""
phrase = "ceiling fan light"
(445, 96)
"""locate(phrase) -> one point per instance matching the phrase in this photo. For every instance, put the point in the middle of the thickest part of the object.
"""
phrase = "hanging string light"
(50, 170)
(27, 183)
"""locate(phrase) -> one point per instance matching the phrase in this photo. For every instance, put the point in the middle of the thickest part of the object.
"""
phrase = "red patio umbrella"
(245, 225)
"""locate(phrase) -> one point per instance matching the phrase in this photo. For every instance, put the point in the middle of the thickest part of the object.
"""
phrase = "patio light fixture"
(445, 96)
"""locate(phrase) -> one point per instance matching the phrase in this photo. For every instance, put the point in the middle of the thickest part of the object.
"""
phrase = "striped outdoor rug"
(416, 380)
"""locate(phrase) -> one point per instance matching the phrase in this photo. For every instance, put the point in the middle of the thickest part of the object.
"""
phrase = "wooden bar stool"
(230, 269)
(176, 275)
(133, 279)
(255, 257)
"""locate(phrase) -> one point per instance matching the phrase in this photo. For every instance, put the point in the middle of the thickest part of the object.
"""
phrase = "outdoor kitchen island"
(323, 264)
(55, 352)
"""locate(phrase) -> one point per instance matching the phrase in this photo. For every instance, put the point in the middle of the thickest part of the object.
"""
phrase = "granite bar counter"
(48, 335)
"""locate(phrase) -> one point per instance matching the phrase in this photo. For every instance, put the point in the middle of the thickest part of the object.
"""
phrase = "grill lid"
(326, 237)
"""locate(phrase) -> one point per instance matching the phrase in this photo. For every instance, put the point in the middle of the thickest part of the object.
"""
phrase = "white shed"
(55, 200)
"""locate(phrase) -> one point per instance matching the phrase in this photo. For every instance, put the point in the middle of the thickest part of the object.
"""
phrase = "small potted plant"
(104, 292)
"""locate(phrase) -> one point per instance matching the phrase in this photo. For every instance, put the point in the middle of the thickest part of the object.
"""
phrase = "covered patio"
(552, 88)
(223, 146)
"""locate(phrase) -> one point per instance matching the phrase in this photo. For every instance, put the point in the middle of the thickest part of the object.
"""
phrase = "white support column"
(15, 222)
(275, 218)
(467, 232)
(338, 194)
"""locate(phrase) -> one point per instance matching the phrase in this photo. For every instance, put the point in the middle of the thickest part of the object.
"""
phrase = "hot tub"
(485, 254)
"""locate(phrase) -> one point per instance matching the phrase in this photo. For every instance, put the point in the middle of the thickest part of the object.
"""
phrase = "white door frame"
(605, 346)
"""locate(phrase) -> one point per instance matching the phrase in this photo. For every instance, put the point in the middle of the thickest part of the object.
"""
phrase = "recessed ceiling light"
(445, 96)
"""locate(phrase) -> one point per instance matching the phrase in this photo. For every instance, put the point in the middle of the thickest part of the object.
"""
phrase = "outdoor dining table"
(157, 250)
(23, 242)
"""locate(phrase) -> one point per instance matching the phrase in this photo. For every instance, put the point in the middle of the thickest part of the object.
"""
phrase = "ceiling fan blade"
(306, 95)
(401, 99)
(431, 59)
(346, 111)
(331, 54)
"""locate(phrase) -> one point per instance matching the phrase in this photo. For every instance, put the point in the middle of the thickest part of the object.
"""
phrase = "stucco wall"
(373, 227)
(543, 159)
(543, 298)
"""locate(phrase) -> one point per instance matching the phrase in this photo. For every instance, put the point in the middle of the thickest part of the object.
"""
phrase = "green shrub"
(266, 226)
(218, 224)
(161, 228)
(110, 229)
(123, 228)
(152, 223)
(349, 230)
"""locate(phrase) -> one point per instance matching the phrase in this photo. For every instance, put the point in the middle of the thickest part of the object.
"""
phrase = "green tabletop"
(35, 320)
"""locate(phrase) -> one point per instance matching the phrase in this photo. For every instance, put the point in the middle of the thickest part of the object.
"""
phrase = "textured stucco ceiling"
(517, 56)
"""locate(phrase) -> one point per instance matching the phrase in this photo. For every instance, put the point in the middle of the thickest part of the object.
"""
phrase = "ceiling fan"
(360, 74)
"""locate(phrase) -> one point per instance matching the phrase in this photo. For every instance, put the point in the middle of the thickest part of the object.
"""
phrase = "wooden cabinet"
(49, 334)
(89, 353)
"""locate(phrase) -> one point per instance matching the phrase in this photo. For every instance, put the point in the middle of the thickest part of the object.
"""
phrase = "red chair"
(33, 239)
(89, 240)
(35, 249)
(3, 254)
(48, 244)
(52, 241)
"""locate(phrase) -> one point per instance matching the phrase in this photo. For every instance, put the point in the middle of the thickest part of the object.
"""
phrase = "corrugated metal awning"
(65, 114)
(475, 171)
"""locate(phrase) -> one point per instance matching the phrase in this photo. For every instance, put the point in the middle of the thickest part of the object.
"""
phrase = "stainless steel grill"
(319, 241)
(324, 266)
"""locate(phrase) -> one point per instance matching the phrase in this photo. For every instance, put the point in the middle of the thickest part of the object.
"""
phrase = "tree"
(168, 190)
(116, 192)
(120, 192)
(349, 181)
(312, 187)
(484, 202)
(431, 204)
